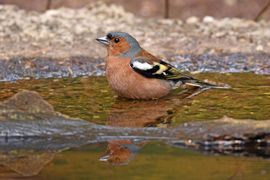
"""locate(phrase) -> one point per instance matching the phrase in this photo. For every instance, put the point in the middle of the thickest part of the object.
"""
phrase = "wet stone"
(44, 67)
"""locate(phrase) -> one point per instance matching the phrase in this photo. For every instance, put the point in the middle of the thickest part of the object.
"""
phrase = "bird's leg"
(187, 91)
(183, 91)
(198, 92)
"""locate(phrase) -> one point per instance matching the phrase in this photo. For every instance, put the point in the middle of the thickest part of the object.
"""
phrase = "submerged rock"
(28, 102)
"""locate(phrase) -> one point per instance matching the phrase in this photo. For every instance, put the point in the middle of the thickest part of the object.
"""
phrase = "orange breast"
(127, 83)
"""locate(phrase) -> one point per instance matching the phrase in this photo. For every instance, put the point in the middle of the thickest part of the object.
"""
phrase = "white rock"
(192, 20)
(208, 19)
(259, 48)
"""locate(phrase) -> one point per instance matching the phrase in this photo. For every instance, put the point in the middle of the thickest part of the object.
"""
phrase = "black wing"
(154, 69)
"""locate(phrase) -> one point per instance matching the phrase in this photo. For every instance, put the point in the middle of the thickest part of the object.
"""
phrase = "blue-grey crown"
(134, 45)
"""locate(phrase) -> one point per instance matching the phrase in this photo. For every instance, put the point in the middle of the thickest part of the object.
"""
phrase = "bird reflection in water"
(134, 114)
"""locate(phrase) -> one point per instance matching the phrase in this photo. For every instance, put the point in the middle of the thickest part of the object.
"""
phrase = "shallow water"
(91, 99)
(156, 161)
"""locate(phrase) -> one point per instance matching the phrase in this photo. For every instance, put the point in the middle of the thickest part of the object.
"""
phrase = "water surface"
(91, 99)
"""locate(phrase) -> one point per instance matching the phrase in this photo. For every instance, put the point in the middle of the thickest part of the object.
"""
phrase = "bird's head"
(120, 44)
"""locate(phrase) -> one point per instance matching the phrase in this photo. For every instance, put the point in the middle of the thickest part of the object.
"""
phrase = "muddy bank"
(61, 42)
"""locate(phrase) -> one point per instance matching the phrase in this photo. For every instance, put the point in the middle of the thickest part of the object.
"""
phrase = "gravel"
(209, 44)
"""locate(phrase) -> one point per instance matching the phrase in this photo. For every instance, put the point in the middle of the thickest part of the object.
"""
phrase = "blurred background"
(182, 9)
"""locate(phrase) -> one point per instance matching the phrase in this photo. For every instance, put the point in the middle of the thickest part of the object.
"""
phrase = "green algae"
(91, 99)
(247, 99)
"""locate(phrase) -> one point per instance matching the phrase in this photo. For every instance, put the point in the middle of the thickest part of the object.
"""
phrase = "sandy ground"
(62, 42)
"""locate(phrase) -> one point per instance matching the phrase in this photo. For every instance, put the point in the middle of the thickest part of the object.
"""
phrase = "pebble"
(259, 48)
(192, 20)
(208, 19)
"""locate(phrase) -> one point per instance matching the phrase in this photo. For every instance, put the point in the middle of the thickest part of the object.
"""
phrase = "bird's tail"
(201, 85)
(190, 81)
(205, 84)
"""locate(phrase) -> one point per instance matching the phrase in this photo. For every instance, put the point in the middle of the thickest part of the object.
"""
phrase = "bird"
(134, 73)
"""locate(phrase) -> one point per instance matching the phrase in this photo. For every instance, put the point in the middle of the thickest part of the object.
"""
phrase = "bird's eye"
(116, 40)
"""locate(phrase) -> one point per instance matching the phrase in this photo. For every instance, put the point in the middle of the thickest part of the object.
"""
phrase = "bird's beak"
(103, 40)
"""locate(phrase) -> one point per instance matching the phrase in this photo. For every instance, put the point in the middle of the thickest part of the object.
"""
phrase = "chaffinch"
(134, 73)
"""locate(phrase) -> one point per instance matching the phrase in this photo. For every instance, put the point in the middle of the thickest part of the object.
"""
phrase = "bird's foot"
(199, 91)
